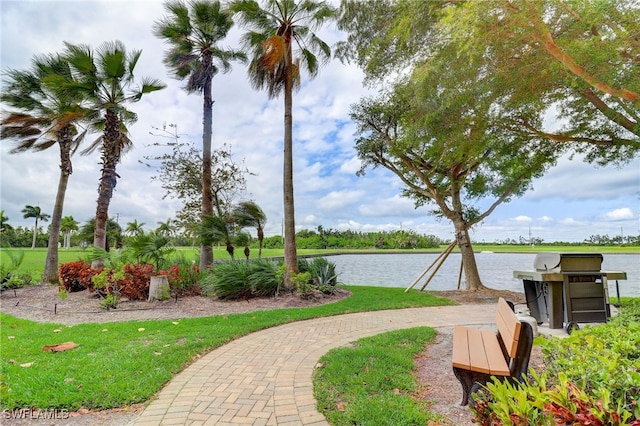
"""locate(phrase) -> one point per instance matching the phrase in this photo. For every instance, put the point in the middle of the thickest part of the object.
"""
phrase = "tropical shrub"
(9, 278)
(236, 280)
(591, 378)
(257, 277)
(76, 276)
(229, 280)
(107, 284)
(303, 284)
(263, 279)
(184, 277)
(135, 282)
(151, 248)
(324, 274)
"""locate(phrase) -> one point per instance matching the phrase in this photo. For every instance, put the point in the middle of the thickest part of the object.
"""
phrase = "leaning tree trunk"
(206, 250)
(468, 257)
(290, 253)
(51, 263)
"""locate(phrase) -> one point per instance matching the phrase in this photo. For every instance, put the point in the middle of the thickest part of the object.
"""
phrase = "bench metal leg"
(468, 379)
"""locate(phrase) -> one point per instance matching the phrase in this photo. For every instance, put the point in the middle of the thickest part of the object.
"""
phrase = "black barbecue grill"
(568, 288)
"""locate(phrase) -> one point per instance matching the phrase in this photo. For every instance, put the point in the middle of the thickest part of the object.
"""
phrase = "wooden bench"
(480, 354)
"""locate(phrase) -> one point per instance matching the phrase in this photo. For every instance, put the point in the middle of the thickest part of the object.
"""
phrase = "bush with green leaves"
(241, 279)
(303, 284)
(9, 278)
(591, 377)
(257, 277)
(184, 276)
(322, 275)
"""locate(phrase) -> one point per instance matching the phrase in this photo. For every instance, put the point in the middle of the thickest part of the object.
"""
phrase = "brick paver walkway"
(265, 378)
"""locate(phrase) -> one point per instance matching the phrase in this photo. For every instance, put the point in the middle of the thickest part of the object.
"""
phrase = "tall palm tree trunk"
(206, 250)
(290, 253)
(35, 233)
(110, 158)
(51, 263)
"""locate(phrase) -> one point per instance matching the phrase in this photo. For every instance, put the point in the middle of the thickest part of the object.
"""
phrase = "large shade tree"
(507, 65)
(109, 84)
(45, 112)
(193, 30)
(462, 168)
(273, 32)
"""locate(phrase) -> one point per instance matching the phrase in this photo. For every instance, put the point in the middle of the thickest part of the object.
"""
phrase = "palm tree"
(113, 236)
(273, 33)
(166, 228)
(35, 212)
(4, 225)
(134, 228)
(67, 225)
(248, 213)
(193, 31)
(108, 81)
(215, 229)
(46, 113)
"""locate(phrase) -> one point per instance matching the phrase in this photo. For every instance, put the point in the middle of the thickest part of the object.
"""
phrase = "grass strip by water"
(372, 382)
(122, 363)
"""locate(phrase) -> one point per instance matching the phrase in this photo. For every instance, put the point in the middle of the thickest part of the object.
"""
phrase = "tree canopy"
(467, 89)
(576, 60)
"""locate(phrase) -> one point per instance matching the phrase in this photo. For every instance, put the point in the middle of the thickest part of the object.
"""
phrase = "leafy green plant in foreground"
(9, 275)
(592, 377)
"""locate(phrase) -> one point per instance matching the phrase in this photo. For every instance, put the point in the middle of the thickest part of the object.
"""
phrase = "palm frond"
(273, 52)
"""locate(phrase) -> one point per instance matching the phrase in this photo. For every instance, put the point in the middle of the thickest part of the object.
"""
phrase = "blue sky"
(573, 201)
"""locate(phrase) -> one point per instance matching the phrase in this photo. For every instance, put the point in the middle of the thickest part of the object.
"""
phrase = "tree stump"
(159, 288)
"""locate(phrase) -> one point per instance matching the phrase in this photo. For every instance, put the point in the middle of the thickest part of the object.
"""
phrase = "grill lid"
(568, 262)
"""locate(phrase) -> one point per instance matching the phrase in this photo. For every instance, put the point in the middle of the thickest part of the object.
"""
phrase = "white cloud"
(523, 219)
(339, 199)
(620, 214)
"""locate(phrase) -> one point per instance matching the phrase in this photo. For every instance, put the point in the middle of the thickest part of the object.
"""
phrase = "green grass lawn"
(118, 364)
(372, 382)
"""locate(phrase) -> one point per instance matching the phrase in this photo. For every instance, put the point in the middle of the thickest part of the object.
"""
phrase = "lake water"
(496, 270)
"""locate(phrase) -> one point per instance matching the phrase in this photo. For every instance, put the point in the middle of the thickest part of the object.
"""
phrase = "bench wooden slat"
(478, 350)
(508, 327)
(460, 348)
(497, 364)
(477, 354)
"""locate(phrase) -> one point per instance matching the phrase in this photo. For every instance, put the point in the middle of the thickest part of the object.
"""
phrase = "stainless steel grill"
(568, 288)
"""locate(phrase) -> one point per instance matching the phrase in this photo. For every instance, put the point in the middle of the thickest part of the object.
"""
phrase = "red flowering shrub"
(76, 276)
(183, 281)
(135, 285)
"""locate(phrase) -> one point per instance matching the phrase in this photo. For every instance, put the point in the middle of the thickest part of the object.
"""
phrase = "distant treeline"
(327, 239)
(333, 239)
(593, 240)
